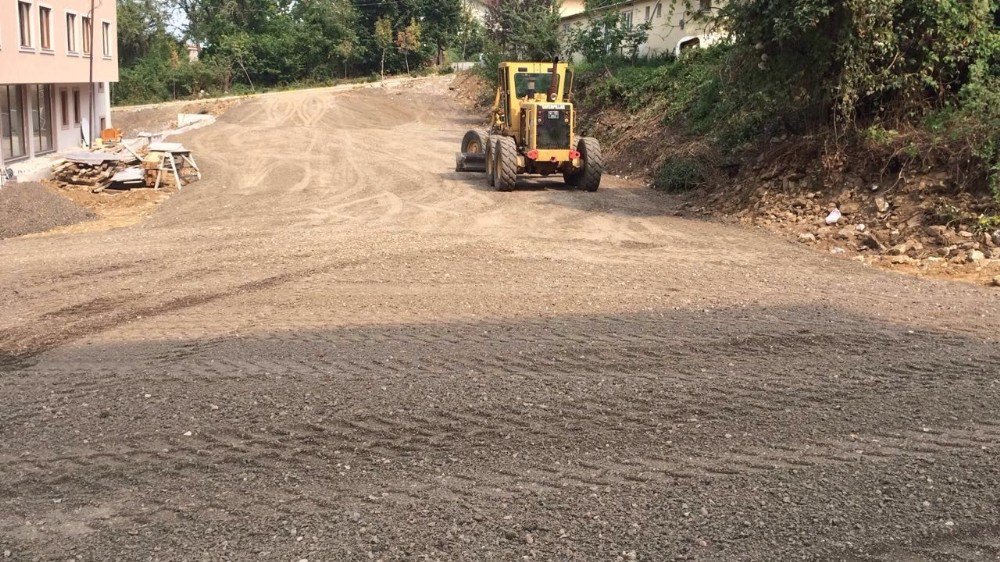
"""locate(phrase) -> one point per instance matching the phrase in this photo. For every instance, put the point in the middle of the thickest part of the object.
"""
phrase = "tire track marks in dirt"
(18, 345)
(352, 344)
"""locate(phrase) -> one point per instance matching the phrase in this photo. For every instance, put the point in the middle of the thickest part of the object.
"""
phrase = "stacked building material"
(94, 170)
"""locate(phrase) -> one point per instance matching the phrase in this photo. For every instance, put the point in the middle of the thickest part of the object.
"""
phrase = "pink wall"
(35, 65)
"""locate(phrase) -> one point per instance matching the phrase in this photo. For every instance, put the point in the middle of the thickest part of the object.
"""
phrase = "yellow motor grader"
(532, 131)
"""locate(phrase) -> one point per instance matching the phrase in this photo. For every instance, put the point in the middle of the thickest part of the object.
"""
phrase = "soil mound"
(34, 207)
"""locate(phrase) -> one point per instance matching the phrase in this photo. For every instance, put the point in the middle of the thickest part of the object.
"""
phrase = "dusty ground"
(337, 348)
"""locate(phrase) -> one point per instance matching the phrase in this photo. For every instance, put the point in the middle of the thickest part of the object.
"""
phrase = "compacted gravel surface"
(334, 347)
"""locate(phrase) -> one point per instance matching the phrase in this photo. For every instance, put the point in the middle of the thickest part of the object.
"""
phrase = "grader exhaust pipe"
(553, 91)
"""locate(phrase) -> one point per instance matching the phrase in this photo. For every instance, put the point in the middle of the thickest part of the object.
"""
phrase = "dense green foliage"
(864, 57)
(522, 30)
(606, 35)
(858, 66)
(259, 44)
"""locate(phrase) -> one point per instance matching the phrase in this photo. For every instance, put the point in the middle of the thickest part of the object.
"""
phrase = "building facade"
(675, 25)
(479, 8)
(57, 60)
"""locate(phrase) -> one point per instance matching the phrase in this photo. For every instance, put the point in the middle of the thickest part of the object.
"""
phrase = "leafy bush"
(681, 174)
(862, 57)
(607, 36)
(870, 68)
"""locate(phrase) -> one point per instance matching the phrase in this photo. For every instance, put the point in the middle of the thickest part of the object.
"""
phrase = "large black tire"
(475, 141)
(505, 164)
(589, 178)
(491, 143)
(572, 179)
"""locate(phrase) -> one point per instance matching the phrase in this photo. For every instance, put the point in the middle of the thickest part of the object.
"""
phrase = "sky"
(177, 23)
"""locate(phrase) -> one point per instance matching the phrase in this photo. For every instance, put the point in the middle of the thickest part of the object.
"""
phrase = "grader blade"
(470, 162)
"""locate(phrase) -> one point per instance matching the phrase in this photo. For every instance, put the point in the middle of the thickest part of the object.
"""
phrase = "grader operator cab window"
(523, 81)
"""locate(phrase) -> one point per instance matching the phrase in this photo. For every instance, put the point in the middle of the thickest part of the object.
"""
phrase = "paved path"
(335, 348)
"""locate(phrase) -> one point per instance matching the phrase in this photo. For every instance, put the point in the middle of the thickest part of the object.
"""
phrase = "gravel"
(34, 207)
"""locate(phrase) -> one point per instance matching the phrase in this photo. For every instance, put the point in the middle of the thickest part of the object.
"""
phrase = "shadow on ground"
(760, 432)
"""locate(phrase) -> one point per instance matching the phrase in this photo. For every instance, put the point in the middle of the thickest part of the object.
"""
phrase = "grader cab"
(532, 131)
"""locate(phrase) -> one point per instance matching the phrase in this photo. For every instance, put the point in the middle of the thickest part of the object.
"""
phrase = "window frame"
(626, 18)
(45, 28)
(64, 108)
(87, 35)
(38, 104)
(77, 108)
(106, 45)
(24, 36)
(18, 97)
(71, 45)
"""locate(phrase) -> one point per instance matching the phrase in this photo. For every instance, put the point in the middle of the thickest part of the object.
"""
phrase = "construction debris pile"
(115, 164)
(93, 170)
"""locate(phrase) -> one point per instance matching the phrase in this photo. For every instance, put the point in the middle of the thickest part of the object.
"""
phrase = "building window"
(704, 5)
(71, 33)
(12, 123)
(24, 20)
(40, 97)
(64, 107)
(656, 10)
(88, 35)
(106, 36)
(45, 27)
(76, 107)
(627, 19)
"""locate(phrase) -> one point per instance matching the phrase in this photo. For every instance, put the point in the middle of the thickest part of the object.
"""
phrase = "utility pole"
(93, 92)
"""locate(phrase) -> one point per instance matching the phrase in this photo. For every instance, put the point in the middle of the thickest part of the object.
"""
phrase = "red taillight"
(533, 154)
(574, 154)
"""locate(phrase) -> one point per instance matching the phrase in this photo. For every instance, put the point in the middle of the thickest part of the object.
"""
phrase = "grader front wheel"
(587, 178)
(505, 164)
(491, 150)
(474, 142)
(473, 153)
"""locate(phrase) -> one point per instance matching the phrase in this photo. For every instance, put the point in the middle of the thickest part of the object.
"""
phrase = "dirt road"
(336, 348)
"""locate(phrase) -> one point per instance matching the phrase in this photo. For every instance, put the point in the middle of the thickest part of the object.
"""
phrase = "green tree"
(523, 29)
(141, 29)
(440, 23)
(408, 41)
(384, 39)
(607, 35)
(470, 35)
(327, 35)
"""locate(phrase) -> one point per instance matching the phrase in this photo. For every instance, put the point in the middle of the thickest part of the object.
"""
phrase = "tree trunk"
(383, 65)
(407, 59)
